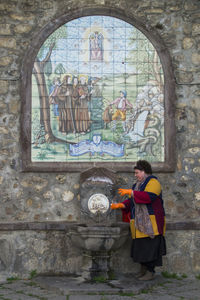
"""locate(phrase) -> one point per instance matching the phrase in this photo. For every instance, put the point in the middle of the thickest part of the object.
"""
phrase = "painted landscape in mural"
(97, 94)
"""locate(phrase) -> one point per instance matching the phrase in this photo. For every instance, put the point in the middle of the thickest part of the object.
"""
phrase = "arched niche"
(116, 147)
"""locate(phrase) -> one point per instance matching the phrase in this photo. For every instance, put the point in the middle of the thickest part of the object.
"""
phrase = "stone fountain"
(98, 234)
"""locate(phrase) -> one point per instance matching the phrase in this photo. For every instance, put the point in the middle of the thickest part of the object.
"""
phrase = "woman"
(147, 220)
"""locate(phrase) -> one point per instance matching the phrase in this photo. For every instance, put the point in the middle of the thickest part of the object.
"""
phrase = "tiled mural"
(97, 94)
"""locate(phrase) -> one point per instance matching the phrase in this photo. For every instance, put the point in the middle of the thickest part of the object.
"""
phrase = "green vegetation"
(11, 279)
(33, 274)
(20, 292)
(198, 276)
(126, 294)
(31, 283)
(144, 291)
(173, 275)
(99, 279)
(53, 39)
(111, 275)
(3, 298)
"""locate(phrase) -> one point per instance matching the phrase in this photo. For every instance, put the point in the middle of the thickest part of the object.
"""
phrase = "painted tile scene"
(97, 95)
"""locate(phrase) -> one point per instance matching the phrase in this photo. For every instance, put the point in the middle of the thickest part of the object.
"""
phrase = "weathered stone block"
(61, 178)
(67, 196)
(4, 130)
(5, 61)
(187, 43)
(22, 17)
(22, 28)
(174, 8)
(184, 77)
(6, 254)
(14, 107)
(195, 29)
(154, 11)
(49, 195)
(196, 261)
(35, 182)
(194, 150)
(196, 170)
(7, 6)
(8, 42)
(191, 5)
(4, 84)
(5, 29)
(196, 59)
(47, 4)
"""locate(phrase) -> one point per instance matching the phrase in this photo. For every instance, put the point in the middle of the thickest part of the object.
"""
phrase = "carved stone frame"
(169, 95)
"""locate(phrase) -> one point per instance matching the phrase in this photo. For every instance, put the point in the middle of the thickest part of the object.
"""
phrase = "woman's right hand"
(117, 205)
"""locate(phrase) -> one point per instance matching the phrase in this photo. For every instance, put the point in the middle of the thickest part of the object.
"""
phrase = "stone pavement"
(123, 288)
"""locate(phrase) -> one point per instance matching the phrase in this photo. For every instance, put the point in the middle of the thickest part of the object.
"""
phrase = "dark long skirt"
(146, 250)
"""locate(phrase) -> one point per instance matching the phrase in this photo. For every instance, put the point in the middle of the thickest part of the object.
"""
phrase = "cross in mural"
(97, 94)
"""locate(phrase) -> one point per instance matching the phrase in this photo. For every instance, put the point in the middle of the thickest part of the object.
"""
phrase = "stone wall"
(42, 197)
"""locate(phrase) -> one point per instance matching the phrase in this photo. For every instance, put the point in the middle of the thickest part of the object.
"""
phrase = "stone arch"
(169, 92)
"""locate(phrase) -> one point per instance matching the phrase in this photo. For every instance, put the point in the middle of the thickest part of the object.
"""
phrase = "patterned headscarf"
(142, 219)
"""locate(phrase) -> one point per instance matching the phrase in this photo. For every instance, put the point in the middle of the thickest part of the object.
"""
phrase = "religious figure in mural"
(75, 101)
(122, 104)
(63, 97)
(82, 115)
(96, 46)
(52, 93)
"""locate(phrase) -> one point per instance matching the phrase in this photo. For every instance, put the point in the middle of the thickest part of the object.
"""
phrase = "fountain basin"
(97, 243)
(99, 238)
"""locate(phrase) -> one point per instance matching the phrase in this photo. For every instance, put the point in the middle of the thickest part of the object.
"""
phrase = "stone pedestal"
(95, 264)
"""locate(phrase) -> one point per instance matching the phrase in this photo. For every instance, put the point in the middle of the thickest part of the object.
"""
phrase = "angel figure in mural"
(96, 46)
(121, 104)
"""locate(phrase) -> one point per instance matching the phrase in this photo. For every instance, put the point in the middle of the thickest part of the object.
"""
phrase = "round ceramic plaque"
(98, 203)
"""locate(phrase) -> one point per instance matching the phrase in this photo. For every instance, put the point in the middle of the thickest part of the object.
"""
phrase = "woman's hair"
(143, 165)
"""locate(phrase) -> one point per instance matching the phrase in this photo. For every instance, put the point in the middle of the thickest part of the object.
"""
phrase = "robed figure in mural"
(81, 114)
(96, 46)
(63, 97)
(75, 102)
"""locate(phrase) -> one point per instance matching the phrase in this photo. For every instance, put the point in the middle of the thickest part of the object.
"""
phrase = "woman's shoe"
(142, 272)
(147, 276)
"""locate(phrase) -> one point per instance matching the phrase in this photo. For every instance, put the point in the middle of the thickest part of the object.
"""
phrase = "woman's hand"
(123, 192)
(117, 205)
